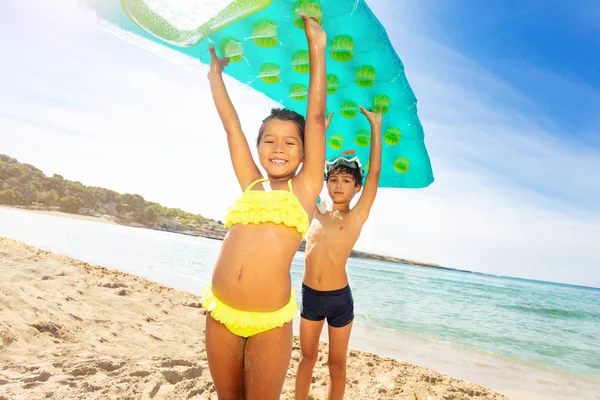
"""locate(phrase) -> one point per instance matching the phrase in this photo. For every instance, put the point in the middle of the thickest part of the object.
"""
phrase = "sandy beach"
(71, 330)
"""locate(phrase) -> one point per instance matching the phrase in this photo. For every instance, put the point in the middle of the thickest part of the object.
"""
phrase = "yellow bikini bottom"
(247, 323)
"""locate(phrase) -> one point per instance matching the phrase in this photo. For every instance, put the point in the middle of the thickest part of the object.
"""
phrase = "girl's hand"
(374, 118)
(314, 32)
(216, 64)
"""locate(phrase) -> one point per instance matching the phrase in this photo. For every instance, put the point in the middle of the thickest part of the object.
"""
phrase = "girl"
(250, 301)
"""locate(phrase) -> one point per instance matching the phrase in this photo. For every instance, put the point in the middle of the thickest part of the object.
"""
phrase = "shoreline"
(218, 235)
(354, 253)
(517, 379)
(72, 329)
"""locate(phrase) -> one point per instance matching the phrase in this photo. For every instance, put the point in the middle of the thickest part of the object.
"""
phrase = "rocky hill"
(25, 186)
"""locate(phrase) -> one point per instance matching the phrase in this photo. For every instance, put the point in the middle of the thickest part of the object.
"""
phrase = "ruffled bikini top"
(275, 206)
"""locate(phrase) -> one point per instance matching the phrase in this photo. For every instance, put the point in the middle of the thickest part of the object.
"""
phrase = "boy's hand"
(314, 32)
(328, 121)
(374, 118)
(216, 64)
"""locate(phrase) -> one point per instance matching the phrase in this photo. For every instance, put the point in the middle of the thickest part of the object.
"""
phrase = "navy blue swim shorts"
(335, 305)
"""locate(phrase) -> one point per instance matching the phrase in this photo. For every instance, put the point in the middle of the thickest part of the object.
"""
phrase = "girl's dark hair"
(283, 114)
(344, 169)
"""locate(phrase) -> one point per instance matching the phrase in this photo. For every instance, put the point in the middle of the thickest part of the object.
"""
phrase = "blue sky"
(509, 96)
(548, 49)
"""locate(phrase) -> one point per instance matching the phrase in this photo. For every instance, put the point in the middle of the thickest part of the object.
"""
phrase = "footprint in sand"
(41, 377)
(68, 382)
(75, 317)
(153, 387)
(109, 365)
(35, 380)
(177, 374)
(176, 363)
(90, 387)
(431, 379)
(7, 336)
(192, 304)
(83, 370)
(113, 285)
(140, 373)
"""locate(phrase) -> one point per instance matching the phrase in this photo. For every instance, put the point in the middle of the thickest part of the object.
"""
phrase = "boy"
(325, 289)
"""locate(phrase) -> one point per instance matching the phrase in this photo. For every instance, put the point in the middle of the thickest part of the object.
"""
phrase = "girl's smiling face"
(280, 148)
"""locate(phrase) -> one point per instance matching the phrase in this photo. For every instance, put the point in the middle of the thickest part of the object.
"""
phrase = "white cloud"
(511, 197)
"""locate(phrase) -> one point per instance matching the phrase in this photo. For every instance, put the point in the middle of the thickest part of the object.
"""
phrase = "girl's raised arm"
(244, 166)
(314, 133)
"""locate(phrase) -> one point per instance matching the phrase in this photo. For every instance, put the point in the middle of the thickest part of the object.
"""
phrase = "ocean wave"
(555, 312)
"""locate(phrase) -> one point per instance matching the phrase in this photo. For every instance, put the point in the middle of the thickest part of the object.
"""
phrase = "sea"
(506, 333)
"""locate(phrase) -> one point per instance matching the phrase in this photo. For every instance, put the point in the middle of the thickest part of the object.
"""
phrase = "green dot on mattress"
(363, 138)
(232, 49)
(392, 135)
(300, 61)
(401, 164)
(269, 73)
(342, 48)
(381, 103)
(298, 91)
(312, 8)
(264, 33)
(368, 165)
(336, 141)
(348, 109)
(364, 76)
(333, 83)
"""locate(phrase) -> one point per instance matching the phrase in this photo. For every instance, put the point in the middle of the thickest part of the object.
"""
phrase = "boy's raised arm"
(314, 136)
(244, 166)
(363, 206)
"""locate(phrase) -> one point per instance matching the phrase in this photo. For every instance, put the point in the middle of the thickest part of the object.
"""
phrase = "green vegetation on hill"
(26, 185)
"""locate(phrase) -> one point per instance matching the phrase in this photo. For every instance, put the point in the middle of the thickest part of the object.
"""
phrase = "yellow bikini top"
(275, 206)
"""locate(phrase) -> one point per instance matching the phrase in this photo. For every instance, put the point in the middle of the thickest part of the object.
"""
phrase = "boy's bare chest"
(336, 225)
